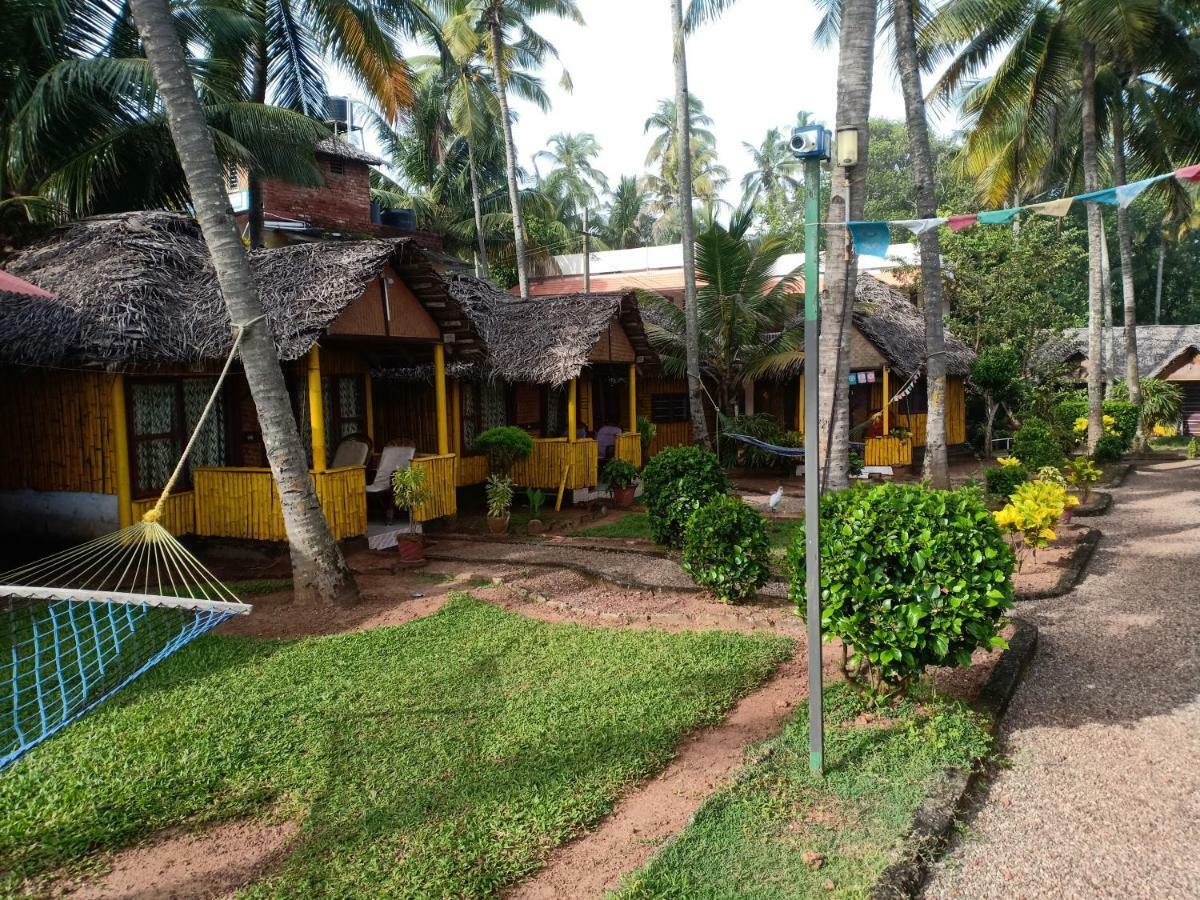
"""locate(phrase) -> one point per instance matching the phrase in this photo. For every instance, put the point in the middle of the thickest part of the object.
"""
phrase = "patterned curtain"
(469, 408)
(350, 403)
(494, 410)
(154, 412)
(555, 427)
(209, 449)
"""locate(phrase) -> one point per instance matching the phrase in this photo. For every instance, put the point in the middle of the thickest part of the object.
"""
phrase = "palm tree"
(708, 175)
(627, 223)
(317, 563)
(506, 20)
(773, 166)
(572, 178)
(745, 312)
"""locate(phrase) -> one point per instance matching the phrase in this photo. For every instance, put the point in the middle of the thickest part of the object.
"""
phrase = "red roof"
(11, 284)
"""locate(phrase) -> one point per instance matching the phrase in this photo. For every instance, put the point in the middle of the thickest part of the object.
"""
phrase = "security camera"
(810, 142)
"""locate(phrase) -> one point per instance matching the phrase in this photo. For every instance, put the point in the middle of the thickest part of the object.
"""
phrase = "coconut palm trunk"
(475, 202)
(1158, 277)
(936, 469)
(687, 225)
(317, 563)
(1125, 238)
(510, 148)
(1096, 299)
(847, 199)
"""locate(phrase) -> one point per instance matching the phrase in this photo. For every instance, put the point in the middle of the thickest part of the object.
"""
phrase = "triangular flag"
(1127, 193)
(870, 238)
(959, 223)
(919, 226)
(1191, 173)
(1053, 207)
(1108, 196)
(999, 216)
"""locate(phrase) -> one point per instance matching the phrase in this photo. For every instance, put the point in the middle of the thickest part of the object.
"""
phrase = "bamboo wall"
(629, 448)
(58, 431)
(888, 451)
(671, 434)
(439, 475)
(244, 503)
(404, 412)
(551, 457)
(471, 470)
(179, 512)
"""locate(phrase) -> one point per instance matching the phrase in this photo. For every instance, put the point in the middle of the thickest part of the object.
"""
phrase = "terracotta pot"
(411, 547)
(535, 526)
(497, 524)
(623, 497)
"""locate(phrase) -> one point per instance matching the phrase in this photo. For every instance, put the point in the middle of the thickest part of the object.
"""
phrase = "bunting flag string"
(873, 238)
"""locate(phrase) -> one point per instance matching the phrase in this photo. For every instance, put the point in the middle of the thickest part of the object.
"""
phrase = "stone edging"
(1076, 566)
(1098, 504)
(933, 822)
(1119, 477)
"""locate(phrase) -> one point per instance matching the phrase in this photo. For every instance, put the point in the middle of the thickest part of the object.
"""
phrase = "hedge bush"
(618, 473)
(910, 577)
(1036, 445)
(1003, 481)
(762, 426)
(1124, 413)
(675, 483)
(1109, 449)
(727, 550)
(504, 446)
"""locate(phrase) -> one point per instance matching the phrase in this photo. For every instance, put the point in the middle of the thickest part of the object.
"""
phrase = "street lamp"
(811, 144)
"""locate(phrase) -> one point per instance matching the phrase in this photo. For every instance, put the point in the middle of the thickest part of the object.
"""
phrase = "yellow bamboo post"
(562, 486)
(800, 406)
(572, 424)
(316, 409)
(633, 398)
(121, 449)
(456, 414)
(887, 404)
(369, 400)
(439, 388)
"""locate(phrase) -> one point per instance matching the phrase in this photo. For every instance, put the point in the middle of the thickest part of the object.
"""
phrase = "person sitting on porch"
(606, 440)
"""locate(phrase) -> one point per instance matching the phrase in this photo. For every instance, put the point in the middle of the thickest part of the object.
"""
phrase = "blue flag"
(870, 238)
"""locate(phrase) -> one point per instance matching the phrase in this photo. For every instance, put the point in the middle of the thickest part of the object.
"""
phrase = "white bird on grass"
(775, 499)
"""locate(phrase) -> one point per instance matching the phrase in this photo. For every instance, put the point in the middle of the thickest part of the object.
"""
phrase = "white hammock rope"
(78, 626)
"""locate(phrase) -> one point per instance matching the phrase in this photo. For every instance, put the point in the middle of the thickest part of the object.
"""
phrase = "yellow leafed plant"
(1033, 511)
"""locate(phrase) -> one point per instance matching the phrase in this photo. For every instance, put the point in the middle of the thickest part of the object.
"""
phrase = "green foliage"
(745, 840)
(415, 737)
(1193, 448)
(536, 500)
(1162, 402)
(996, 371)
(1109, 449)
(504, 446)
(1082, 474)
(499, 492)
(910, 577)
(1051, 474)
(646, 432)
(632, 526)
(410, 488)
(1124, 414)
(726, 549)
(856, 463)
(763, 426)
(676, 483)
(1036, 445)
(617, 473)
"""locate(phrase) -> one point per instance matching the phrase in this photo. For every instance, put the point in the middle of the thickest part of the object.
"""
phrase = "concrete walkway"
(1101, 797)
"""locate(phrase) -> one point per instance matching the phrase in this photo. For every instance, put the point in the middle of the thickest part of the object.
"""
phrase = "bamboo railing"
(551, 457)
(440, 477)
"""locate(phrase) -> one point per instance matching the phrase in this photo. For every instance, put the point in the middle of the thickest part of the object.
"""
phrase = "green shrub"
(910, 578)
(1036, 445)
(1193, 449)
(617, 473)
(1109, 449)
(726, 549)
(1124, 413)
(676, 483)
(410, 488)
(762, 426)
(499, 492)
(504, 446)
(1003, 481)
(536, 500)
(646, 432)
(855, 465)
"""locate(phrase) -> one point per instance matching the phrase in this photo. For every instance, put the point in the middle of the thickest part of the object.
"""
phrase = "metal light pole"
(811, 144)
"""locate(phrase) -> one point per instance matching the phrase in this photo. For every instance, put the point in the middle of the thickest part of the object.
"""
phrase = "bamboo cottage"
(565, 369)
(106, 378)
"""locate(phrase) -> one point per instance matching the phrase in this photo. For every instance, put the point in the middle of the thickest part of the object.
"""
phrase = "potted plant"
(537, 499)
(499, 503)
(622, 479)
(410, 488)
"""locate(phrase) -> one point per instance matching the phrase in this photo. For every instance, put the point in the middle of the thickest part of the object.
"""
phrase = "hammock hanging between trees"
(78, 626)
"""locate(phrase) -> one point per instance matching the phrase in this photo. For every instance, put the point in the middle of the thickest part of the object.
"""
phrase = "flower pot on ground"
(410, 488)
(499, 503)
(621, 478)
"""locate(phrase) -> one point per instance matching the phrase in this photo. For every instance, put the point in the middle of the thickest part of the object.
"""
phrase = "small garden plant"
(1193, 449)
(727, 550)
(617, 473)
(504, 447)
(1036, 446)
(1004, 479)
(1109, 449)
(499, 496)
(1082, 474)
(410, 488)
(1032, 513)
(676, 483)
(536, 500)
(910, 578)
(646, 433)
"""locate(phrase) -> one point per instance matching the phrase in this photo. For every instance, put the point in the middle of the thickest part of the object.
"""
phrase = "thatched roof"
(890, 321)
(1157, 347)
(546, 340)
(139, 289)
(343, 149)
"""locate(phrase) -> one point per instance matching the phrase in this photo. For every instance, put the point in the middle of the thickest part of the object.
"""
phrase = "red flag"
(1191, 173)
(958, 223)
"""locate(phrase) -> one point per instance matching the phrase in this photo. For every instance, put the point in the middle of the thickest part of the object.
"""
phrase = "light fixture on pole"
(811, 144)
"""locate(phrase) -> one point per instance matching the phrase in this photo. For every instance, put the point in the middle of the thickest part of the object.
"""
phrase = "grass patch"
(630, 527)
(1179, 442)
(253, 586)
(749, 840)
(442, 757)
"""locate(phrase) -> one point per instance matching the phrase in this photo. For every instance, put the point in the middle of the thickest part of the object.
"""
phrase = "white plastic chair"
(390, 460)
(351, 452)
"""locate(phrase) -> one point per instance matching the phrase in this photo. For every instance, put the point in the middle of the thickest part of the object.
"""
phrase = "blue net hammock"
(77, 627)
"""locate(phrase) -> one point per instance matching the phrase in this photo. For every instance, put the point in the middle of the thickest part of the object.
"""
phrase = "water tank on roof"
(339, 114)
(404, 219)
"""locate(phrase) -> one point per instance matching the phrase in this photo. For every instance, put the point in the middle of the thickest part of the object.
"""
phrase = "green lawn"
(748, 841)
(441, 757)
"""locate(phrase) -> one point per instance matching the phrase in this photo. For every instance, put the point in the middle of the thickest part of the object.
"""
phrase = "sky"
(754, 69)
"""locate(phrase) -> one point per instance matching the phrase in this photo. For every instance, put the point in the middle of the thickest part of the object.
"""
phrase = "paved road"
(1102, 796)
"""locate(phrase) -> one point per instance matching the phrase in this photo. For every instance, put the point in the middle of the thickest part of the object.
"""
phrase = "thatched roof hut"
(547, 340)
(138, 289)
(1158, 348)
(888, 318)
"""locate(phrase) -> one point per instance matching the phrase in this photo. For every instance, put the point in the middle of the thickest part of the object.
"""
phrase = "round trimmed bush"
(504, 446)
(1002, 481)
(1109, 449)
(726, 549)
(910, 577)
(1035, 445)
(675, 483)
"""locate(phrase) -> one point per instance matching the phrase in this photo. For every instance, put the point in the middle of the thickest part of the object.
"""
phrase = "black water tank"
(404, 219)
